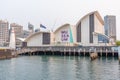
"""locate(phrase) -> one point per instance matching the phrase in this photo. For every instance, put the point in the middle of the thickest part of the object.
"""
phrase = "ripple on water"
(59, 68)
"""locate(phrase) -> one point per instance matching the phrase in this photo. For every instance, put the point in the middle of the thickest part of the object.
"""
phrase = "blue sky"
(54, 13)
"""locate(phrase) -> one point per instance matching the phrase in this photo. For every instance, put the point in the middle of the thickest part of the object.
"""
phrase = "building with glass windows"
(110, 26)
(4, 33)
(90, 30)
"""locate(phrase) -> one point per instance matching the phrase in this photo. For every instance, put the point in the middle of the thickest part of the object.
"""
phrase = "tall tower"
(4, 33)
(12, 43)
(30, 28)
(110, 26)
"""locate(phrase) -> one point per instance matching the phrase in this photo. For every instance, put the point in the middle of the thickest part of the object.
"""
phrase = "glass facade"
(110, 26)
(103, 39)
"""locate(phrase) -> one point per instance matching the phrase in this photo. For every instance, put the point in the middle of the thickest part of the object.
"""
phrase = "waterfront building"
(90, 30)
(18, 29)
(38, 39)
(110, 26)
(4, 33)
(64, 35)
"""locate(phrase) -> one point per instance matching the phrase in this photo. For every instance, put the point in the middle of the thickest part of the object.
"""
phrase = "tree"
(118, 43)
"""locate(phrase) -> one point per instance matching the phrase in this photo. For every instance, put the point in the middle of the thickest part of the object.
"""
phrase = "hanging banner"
(64, 36)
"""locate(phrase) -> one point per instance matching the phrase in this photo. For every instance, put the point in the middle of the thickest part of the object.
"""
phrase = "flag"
(42, 26)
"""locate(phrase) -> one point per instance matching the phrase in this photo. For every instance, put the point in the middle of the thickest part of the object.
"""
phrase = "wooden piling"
(101, 52)
(106, 52)
(44, 52)
(69, 52)
(64, 52)
(78, 53)
(52, 52)
(74, 52)
(112, 54)
(84, 52)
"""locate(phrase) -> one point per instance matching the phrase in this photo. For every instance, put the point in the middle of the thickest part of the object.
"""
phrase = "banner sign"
(64, 35)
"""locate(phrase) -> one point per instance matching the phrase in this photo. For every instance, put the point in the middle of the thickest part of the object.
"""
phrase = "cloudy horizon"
(55, 13)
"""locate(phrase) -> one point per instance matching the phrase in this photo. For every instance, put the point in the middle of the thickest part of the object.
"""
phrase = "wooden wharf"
(68, 51)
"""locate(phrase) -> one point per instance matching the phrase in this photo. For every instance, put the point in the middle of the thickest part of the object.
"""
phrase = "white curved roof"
(61, 27)
(94, 12)
(21, 39)
(32, 35)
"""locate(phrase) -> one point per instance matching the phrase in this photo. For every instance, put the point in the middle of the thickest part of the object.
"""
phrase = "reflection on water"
(59, 68)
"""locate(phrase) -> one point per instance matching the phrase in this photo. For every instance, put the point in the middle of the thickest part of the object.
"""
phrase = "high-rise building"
(110, 26)
(30, 28)
(4, 33)
(25, 34)
(18, 30)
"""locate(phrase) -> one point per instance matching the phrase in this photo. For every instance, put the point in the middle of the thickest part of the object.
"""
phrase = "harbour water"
(59, 68)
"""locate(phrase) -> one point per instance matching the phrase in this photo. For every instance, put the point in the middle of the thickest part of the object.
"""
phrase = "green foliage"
(118, 43)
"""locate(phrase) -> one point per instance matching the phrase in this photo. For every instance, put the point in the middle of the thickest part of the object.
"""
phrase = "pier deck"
(67, 50)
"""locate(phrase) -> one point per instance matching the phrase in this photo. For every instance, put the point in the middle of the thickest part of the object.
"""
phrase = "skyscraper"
(4, 33)
(30, 28)
(110, 26)
(17, 28)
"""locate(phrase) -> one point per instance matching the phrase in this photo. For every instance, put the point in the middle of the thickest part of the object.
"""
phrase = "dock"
(5, 53)
(68, 51)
